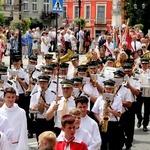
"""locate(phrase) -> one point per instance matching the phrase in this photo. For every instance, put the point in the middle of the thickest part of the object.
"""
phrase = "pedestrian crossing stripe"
(57, 6)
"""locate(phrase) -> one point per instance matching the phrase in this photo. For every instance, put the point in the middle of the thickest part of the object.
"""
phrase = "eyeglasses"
(116, 52)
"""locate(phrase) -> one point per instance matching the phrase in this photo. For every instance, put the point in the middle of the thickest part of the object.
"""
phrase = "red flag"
(129, 39)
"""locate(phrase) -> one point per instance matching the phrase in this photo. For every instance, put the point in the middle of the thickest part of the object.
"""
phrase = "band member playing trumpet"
(113, 110)
(41, 100)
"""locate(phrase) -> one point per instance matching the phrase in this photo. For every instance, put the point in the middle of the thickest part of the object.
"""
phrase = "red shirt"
(76, 144)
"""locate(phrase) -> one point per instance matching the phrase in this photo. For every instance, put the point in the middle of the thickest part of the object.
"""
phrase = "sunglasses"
(143, 47)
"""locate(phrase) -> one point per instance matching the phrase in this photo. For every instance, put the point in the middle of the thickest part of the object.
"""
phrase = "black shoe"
(139, 124)
(30, 135)
(128, 148)
(145, 129)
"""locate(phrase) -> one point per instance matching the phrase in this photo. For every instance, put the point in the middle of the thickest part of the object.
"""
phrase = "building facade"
(40, 9)
(98, 14)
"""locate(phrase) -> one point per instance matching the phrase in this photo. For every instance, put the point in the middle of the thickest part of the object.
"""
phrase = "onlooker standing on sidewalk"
(24, 43)
(81, 40)
(2, 48)
(30, 42)
(35, 42)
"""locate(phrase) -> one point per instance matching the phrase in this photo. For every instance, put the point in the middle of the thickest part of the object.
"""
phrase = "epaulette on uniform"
(34, 92)
(2, 90)
(53, 92)
(55, 82)
(9, 82)
(126, 86)
(102, 75)
(22, 78)
(135, 79)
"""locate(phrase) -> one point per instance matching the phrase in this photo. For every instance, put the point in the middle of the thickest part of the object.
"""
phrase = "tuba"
(66, 57)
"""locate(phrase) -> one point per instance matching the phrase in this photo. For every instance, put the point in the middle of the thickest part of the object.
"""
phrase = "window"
(87, 13)
(76, 12)
(26, 5)
(64, 12)
(101, 14)
(9, 2)
(34, 5)
(46, 5)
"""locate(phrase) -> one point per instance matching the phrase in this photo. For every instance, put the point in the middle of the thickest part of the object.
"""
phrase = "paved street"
(141, 139)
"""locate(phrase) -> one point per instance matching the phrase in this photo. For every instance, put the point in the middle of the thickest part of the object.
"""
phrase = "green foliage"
(140, 26)
(80, 21)
(22, 24)
(1, 4)
(138, 16)
(2, 19)
(36, 23)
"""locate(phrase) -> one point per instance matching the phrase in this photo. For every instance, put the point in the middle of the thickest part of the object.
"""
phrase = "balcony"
(100, 21)
(47, 15)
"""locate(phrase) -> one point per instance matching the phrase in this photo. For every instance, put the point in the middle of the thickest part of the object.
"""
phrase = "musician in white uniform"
(5, 82)
(73, 66)
(61, 107)
(133, 84)
(41, 101)
(113, 109)
(126, 96)
(144, 99)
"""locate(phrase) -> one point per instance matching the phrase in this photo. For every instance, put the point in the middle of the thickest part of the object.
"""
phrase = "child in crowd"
(69, 140)
(47, 139)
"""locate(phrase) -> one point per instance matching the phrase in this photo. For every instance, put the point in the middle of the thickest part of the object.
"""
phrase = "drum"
(146, 91)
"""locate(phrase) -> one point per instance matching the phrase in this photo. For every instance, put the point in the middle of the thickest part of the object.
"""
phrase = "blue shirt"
(30, 40)
(23, 40)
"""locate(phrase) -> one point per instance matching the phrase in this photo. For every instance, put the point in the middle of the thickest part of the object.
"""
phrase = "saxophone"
(106, 118)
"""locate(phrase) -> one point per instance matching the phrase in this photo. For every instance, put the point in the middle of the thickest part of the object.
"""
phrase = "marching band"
(104, 93)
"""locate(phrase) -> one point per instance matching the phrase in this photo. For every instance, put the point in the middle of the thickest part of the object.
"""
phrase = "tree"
(2, 19)
(22, 24)
(138, 16)
(80, 21)
(36, 23)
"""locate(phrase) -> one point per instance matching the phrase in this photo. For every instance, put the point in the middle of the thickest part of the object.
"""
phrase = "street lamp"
(79, 3)
(143, 6)
(139, 12)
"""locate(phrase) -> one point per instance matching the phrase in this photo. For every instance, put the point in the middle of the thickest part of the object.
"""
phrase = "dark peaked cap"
(43, 78)
(109, 83)
(119, 73)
